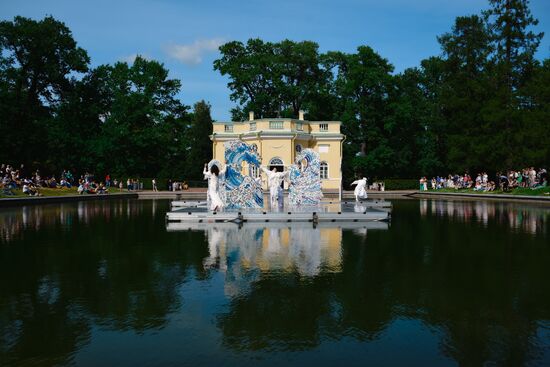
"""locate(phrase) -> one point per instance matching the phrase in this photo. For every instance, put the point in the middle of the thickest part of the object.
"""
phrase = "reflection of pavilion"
(244, 253)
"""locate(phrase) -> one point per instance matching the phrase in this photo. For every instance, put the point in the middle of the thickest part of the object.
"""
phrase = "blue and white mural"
(305, 181)
(241, 191)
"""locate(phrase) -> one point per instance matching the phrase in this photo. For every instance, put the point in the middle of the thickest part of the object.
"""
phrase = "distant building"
(278, 140)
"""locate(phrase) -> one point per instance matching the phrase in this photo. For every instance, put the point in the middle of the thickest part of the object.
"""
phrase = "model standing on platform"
(360, 191)
(216, 202)
(274, 181)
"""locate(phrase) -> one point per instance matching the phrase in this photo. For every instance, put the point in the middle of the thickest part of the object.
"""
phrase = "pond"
(446, 283)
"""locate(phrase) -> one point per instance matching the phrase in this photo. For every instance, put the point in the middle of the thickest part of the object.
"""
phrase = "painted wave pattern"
(241, 191)
(305, 185)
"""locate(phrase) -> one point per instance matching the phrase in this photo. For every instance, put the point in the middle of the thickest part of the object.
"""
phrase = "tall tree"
(472, 143)
(515, 43)
(141, 102)
(200, 146)
(271, 79)
(40, 61)
(362, 86)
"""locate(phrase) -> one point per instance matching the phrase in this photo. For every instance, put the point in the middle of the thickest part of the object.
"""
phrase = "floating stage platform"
(203, 226)
(369, 204)
(330, 211)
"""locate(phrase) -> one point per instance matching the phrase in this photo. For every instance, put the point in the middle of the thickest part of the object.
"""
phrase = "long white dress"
(215, 202)
(360, 191)
(274, 181)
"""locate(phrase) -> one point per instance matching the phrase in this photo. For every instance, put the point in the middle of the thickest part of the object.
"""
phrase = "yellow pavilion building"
(279, 140)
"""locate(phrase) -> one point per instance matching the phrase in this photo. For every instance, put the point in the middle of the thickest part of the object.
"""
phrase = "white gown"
(213, 193)
(274, 181)
(360, 191)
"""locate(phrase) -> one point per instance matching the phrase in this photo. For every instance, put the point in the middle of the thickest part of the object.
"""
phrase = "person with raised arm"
(216, 202)
(274, 181)
(360, 191)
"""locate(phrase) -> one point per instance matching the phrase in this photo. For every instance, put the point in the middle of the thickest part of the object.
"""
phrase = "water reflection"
(526, 218)
(91, 283)
(35, 217)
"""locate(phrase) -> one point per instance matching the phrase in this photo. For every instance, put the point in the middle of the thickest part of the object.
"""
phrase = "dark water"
(106, 284)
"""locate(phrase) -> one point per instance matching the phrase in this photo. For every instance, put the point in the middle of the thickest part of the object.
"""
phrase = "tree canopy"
(481, 104)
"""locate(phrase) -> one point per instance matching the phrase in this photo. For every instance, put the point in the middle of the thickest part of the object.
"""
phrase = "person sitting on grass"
(540, 185)
(65, 183)
(80, 189)
(30, 189)
(503, 182)
(101, 189)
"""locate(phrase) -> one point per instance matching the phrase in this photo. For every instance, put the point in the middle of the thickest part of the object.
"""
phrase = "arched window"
(277, 163)
(323, 170)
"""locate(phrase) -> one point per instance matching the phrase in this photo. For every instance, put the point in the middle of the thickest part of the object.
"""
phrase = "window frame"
(323, 127)
(276, 125)
(323, 167)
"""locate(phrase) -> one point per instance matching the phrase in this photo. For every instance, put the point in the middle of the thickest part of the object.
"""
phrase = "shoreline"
(470, 196)
(200, 194)
(35, 200)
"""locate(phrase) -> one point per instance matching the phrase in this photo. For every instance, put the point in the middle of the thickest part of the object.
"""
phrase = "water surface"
(107, 283)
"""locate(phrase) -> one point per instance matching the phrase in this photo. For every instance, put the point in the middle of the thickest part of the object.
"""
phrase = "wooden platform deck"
(376, 204)
(197, 212)
(189, 226)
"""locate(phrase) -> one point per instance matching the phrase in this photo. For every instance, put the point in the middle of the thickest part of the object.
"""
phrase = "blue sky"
(184, 35)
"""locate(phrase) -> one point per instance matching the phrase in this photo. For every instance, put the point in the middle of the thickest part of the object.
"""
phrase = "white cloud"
(192, 54)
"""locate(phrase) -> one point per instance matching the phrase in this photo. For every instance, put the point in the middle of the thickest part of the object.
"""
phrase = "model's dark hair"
(215, 170)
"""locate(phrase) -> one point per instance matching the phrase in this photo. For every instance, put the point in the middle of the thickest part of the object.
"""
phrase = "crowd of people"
(32, 182)
(504, 181)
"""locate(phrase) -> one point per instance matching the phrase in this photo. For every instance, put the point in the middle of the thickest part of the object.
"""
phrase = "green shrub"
(162, 183)
(400, 183)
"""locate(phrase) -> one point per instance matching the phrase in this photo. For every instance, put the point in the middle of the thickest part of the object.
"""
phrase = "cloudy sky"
(185, 35)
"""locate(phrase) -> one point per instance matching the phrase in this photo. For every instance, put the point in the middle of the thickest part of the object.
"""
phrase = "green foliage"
(483, 104)
(122, 119)
(271, 79)
(401, 184)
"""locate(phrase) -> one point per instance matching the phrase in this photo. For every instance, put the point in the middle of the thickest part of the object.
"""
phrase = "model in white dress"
(216, 202)
(274, 181)
(360, 191)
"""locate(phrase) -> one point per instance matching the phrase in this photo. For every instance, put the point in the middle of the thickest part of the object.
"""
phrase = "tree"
(140, 103)
(271, 79)
(472, 142)
(362, 86)
(39, 64)
(515, 44)
(198, 140)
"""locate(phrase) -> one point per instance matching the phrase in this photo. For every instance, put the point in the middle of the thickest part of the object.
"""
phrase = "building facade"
(279, 140)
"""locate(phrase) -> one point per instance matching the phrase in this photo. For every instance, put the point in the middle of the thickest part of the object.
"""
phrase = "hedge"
(162, 183)
(400, 183)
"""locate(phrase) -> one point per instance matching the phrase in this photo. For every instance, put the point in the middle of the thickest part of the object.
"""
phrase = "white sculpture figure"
(360, 191)
(216, 203)
(274, 181)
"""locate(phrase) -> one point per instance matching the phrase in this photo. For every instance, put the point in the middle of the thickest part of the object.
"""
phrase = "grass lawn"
(49, 192)
(544, 191)
(45, 192)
